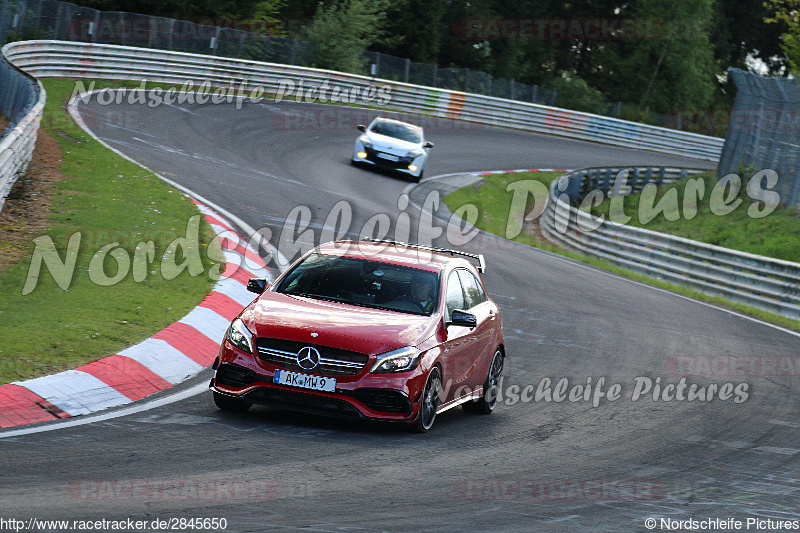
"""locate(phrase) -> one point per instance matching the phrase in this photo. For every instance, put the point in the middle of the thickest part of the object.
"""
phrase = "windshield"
(364, 283)
(404, 132)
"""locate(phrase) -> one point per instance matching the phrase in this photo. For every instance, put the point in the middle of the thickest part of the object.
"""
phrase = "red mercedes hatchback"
(378, 330)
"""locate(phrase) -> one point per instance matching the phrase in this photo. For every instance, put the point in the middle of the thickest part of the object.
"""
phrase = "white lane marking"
(179, 108)
(127, 129)
(162, 359)
(784, 423)
(775, 449)
(75, 392)
(90, 419)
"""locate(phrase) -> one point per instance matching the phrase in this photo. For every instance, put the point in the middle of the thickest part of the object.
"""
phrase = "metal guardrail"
(23, 102)
(75, 59)
(762, 282)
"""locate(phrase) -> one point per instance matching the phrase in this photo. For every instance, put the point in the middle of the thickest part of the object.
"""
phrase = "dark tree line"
(659, 55)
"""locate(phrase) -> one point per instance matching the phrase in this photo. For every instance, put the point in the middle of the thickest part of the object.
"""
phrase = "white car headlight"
(415, 153)
(240, 336)
(366, 142)
(399, 360)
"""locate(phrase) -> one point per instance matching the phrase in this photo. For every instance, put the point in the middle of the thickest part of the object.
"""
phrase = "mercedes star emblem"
(308, 358)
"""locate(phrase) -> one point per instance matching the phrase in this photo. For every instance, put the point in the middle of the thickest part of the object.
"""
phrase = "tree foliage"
(681, 66)
(343, 30)
(787, 14)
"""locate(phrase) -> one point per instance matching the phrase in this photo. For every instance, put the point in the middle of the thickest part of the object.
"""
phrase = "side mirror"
(257, 285)
(462, 318)
(361, 127)
(428, 145)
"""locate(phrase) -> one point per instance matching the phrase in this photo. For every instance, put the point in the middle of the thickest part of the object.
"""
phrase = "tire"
(430, 402)
(488, 401)
(228, 403)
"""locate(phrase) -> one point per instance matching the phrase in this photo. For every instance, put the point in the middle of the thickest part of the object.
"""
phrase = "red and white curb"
(171, 356)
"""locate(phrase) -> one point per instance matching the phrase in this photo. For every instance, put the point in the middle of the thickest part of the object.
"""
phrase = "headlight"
(240, 336)
(415, 153)
(398, 360)
(366, 142)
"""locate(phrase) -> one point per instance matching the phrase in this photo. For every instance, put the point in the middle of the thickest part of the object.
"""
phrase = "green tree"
(415, 37)
(574, 93)
(342, 30)
(672, 69)
(787, 13)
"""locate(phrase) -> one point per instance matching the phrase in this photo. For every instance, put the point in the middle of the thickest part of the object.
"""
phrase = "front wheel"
(229, 403)
(430, 402)
(488, 401)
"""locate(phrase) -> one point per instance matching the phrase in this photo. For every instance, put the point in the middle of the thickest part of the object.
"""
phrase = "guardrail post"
(607, 181)
(661, 173)
(215, 42)
(171, 32)
(574, 188)
(408, 69)
(647, 176)
(633, 179)
(151, 37)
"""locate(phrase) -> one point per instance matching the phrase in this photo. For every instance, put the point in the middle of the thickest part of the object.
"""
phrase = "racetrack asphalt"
(541, 466)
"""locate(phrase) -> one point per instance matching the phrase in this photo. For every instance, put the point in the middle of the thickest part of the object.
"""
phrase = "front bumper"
(362, 399)
(373, 157)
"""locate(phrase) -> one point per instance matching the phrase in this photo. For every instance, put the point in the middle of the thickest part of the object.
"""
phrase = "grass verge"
(494, 204)
(106, 199)
(775, 235)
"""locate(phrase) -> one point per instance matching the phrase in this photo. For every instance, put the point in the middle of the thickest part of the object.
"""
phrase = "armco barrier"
(75, 59)
(16, 146)
(763, 282)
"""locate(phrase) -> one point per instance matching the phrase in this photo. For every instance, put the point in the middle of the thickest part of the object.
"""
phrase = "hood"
(360, 329)
(392, 145)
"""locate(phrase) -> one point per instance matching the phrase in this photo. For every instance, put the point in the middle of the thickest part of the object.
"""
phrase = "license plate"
(304, 381)
(389, 157)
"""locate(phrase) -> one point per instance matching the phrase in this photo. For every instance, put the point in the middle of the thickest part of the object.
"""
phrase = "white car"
(393, 145)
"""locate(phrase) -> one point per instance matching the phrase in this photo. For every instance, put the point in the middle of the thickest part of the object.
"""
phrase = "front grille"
(300, 401)
(373, 156)
(333, 361)
(384, 401)
(236, 376)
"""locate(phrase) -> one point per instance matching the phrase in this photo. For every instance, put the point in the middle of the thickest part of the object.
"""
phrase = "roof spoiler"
(478, 257)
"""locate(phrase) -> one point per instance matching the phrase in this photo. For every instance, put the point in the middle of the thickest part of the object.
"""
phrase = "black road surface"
(532, 465)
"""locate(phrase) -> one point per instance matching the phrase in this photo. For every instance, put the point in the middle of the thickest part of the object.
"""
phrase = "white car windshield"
(404, 132)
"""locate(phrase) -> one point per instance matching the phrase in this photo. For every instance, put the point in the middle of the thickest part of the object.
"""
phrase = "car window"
(455, 295)
(472, 289)
(404, 132)
(364, 283)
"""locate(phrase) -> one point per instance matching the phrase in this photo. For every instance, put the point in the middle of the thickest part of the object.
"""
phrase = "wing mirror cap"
(462, 318)
(257, 285)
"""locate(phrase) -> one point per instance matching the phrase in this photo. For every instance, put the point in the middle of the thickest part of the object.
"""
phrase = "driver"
(422, 291)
